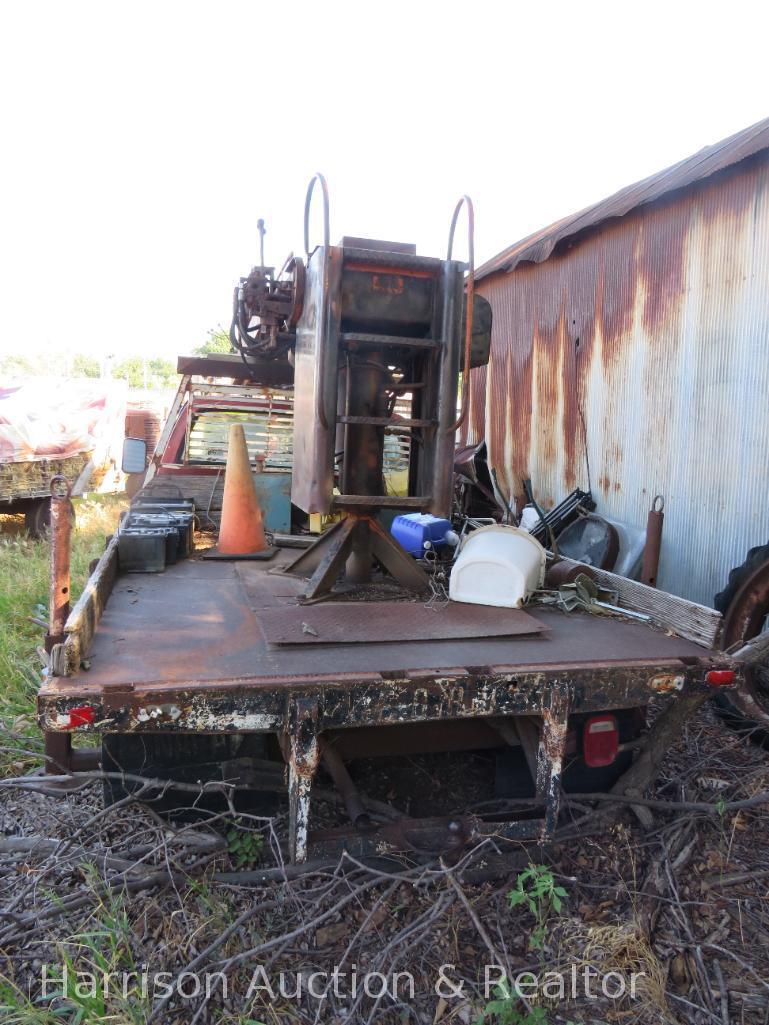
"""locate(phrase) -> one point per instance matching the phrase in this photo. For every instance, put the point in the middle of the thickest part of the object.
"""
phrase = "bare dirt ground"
(684, 905)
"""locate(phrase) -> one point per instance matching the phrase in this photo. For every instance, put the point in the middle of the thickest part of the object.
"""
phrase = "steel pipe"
(353, 802)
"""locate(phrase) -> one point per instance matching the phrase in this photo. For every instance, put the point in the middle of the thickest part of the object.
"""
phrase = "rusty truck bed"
(183, 651)
(199, 621)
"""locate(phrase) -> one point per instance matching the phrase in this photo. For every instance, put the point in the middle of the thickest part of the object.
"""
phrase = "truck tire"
(186, 758)
(37, 518)
(744, 604)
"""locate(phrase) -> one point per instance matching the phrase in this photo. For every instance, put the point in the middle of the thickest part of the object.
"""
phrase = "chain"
(439, 595)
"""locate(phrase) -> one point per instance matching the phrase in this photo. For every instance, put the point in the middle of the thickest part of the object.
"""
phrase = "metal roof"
(539, 246)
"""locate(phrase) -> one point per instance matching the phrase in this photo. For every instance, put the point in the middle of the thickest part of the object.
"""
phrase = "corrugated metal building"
(634, 336)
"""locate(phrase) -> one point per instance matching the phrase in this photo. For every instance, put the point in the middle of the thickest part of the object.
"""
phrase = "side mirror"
(134, 455)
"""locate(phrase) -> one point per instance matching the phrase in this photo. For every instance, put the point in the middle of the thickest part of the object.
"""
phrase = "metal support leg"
(61, 757)
(303, 757)
(308, 560)
(360, 562)
(528, 734)
(61, 552)
(325, 559)
(552, 748)
(58, 752)
(362, 536)
(396, 561)
(58, 746)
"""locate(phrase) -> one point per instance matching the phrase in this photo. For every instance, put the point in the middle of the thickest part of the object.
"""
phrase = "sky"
(142, 141)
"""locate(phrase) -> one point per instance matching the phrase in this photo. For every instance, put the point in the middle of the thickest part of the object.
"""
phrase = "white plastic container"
(497, 565)
(529, 519)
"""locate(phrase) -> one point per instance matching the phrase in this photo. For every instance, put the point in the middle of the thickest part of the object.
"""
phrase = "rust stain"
(618, 286)
(662, 263)
(571, 334)
(547, 386)
(668, 683)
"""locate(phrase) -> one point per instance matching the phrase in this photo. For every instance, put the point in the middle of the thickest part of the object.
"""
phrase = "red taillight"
(600, 741)
(720, 677)
(83, 715)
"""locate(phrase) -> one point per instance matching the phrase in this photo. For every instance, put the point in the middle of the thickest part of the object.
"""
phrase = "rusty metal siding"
(654, 329)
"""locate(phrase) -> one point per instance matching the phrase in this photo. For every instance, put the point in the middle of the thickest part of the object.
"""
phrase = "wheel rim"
(747, 617)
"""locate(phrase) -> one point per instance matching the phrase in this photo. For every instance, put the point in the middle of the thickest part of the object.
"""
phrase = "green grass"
(24, 575)
(102, 949)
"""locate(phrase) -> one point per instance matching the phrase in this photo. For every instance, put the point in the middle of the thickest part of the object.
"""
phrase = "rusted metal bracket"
(61, 552)
(58, 752)
(58, 747)
(303, 752)
(61, 757)
(552, 749)
(357, 533)
(324, 560)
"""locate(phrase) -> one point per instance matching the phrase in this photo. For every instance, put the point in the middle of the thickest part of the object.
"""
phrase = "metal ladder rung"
(385, 421)
(383, 501)
(353, 338)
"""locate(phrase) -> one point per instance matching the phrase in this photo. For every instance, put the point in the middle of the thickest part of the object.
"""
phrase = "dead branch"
(717, 882)
(479, 928)
(742, 963)
(705, 807)
(722, 991)
(661, 738)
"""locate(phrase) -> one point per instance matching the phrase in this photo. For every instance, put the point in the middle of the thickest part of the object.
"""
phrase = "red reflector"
(83, 715)
(720, 677)
(600, 741)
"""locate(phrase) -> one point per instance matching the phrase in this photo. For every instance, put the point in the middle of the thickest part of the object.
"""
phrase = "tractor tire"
(183, 758)
(744, 604)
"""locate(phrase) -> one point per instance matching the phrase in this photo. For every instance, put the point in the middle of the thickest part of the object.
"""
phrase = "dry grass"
(27, 479)
(622, 947)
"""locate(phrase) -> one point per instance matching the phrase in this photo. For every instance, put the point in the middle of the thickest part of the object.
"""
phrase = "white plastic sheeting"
(54, 418)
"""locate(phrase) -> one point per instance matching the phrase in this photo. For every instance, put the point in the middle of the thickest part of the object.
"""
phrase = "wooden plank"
(698, 623)
(81, 623)
(383, 501)
(244, 391)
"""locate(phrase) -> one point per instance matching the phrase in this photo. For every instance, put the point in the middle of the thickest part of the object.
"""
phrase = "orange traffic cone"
(241, 533)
